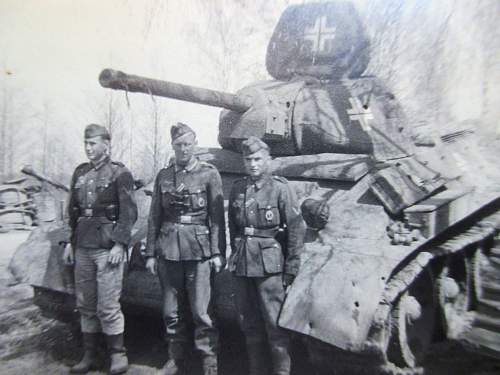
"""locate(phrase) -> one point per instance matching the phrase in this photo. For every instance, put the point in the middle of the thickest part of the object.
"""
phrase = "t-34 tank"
(400, 252)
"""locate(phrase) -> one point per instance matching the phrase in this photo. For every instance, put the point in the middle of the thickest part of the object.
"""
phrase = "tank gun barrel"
(28, 170)
(117, 80)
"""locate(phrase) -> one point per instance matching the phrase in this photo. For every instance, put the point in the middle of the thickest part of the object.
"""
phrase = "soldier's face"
(184, 148)
(96, 148)
(257, 164)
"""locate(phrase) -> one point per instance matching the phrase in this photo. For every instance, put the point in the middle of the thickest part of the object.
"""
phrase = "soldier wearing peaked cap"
(102, 211)
(261, 206)
(185, 245)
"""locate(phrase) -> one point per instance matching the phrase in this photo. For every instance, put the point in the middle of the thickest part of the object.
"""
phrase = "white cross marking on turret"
(360, 114)
(319, 34)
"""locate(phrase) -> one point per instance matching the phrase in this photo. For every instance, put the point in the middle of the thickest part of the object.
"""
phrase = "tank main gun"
(117, 80)
(28, 170)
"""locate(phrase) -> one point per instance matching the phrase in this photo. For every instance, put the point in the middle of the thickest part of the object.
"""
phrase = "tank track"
(484, 336)
(477, 242)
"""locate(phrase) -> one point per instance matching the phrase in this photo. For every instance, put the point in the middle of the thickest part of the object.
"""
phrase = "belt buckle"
(249, 231)
(88, 212)
(185, 219)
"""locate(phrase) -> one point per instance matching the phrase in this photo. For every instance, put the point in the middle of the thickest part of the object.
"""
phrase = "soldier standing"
(259, 205)
(185, 243)
(102, 211)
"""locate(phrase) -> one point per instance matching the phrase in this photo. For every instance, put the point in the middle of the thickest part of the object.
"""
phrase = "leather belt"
(92, 212)
(256, 232)
(188, 219)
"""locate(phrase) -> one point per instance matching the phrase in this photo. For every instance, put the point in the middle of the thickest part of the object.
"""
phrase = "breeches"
(259, 301)
(98, 287)
(187, 296)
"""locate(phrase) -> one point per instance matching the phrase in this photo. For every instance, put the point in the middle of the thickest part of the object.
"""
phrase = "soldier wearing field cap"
(102, 211)
(185, 246)
(262, 207)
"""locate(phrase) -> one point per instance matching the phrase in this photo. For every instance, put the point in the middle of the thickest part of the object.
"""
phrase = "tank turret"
(319, 102)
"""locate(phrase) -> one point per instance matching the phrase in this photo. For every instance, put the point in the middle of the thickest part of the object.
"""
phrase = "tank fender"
(337, 292)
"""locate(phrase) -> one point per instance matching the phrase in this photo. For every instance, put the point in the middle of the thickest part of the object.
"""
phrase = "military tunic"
(259, 212)
(186, 228)
(102, 211)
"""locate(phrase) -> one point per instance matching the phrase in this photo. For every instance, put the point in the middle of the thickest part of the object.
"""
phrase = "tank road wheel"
(412, 323)
(455, 295)
(479, 264)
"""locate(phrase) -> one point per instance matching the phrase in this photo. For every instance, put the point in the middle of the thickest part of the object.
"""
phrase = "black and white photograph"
(250, 187)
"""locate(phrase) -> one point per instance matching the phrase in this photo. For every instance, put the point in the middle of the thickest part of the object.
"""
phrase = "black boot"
(280, 358)
(209, 364)
(119, 360)
(176, 364)
(256, 352)
(87, 363)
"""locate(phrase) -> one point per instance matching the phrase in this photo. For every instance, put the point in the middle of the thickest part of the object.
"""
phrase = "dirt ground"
(32, 344)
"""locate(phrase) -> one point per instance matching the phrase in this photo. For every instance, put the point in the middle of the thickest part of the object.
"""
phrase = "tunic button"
(90, 193)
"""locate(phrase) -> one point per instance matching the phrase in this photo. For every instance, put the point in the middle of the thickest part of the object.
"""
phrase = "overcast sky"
(52, 51)
(55, 49)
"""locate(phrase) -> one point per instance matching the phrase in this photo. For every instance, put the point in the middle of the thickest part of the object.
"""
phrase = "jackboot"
(88, 360)
(176, 363)
(117, 352)
(209, 364)
(280, 358)
(256, 352)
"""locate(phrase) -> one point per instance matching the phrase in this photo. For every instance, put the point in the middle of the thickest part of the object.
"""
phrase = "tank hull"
(352, 278)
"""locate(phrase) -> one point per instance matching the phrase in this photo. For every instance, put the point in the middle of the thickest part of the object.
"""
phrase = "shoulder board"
(280, 179)
(118, 163)
(82, 165)
(206, 165)
(240, 180)
(166, 169)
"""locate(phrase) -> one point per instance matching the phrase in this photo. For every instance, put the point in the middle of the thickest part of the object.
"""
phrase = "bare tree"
(109, 111)
(14, 111)
(155, 145)
(228, 40)
(45, 136)
(3, 131)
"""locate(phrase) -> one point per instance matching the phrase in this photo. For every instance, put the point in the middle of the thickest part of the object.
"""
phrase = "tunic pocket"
(198, 199)
(268, 215)
(272, 256)
(105, 232)
(167, 190)
(236, 209)
(167, 187)
(102, 184)
(202, 236)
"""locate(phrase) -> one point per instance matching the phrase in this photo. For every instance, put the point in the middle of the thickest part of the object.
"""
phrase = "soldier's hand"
(68, 255)
(288, 280)
(151, 265)
(216, 263)
(116, 254)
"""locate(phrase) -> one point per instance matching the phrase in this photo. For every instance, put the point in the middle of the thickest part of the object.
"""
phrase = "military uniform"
(185, 229)
(102, 211)
(259, 212)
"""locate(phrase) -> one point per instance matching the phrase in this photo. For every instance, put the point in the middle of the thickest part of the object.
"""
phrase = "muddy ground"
(32, 344)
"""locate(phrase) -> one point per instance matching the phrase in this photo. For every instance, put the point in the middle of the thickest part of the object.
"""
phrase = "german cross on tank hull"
(400, 252)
